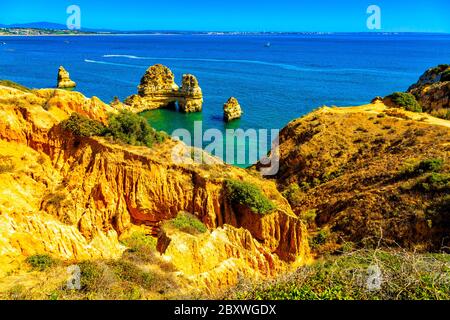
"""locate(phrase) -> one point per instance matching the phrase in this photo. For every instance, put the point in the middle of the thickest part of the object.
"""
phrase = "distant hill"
(36, 25)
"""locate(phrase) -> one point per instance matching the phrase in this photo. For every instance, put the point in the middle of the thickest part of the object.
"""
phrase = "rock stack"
(232, 109)
(191, 97)
(156, 90)
(159, 90)
(64, 81)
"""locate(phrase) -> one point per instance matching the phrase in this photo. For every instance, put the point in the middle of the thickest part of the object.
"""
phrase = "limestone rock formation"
(432, 91)
(214, 259)
(232, 109)
(73, 197)
(64, 81)
(159, 90)
(191, 98)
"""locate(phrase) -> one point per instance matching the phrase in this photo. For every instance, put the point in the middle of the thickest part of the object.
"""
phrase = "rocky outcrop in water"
(64, 81)
(232, 110)
(159, 90)
(191, 97)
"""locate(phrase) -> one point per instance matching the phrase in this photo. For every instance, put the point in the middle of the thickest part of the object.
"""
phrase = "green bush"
(320, 238)
(435, 182)
(133, 129)
(40, 262)
(140, 242)
(417, 168)
(294, 194)
(187, 222)
(124, 126)
(82, 126)
(406, 101)
(91, 276)
(445, 76)
(249, 195)
(129, 272)
(309, 216)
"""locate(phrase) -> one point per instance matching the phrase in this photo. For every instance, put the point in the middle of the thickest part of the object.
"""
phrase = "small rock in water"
(232, 109)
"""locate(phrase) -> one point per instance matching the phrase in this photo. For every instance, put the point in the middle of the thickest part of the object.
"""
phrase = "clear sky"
(236, 15)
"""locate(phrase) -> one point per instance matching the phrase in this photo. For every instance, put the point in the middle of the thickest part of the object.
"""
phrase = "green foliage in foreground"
(406, 101)
(249, 195)
(14, 85)
(187, 222)
(133, 129)
(140, 242)
(40, 262)
(355, 275)
(411, 169)
(82, 126)
(125, 127)
(435, 182)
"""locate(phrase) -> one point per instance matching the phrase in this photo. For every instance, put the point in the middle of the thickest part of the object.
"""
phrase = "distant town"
(38, 32)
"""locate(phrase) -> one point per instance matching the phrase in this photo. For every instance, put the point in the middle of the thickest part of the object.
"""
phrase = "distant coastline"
(62, 31)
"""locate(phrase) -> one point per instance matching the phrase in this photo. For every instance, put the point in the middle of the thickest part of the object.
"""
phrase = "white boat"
(267, 45)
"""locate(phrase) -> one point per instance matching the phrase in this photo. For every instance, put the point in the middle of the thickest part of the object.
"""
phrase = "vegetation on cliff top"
(125, 126)
(189, 223)
(82, 126)
(356, 177)
(362, 275)
(406, 101)
(249, 195)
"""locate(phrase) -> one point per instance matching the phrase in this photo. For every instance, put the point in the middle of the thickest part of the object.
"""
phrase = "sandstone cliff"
(368, 175)
(84, 193)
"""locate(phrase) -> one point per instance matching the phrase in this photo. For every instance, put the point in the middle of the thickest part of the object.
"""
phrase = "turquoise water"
(274, 85)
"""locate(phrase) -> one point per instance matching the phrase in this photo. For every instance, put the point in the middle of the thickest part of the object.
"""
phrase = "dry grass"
(363, 274)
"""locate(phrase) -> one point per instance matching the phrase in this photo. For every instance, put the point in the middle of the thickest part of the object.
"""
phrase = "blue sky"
(236, 15)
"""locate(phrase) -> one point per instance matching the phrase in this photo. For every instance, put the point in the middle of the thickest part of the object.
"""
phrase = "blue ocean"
(274, 84)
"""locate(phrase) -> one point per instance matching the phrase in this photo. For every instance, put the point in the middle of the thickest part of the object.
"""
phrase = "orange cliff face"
(73, 197)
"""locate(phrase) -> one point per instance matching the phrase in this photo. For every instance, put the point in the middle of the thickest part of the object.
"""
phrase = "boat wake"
(114, 64)
(258, 62)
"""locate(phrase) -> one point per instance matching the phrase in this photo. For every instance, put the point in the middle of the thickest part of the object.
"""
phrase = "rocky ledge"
(158, 89)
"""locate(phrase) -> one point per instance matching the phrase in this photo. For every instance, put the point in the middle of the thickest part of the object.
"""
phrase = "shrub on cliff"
(133, 129)
(404, 276)
(406, 101)
(249, 195)
(82, 126)
(445, 76)
(411, 169)
(187, 222)
(40, 262)
(435, 182)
